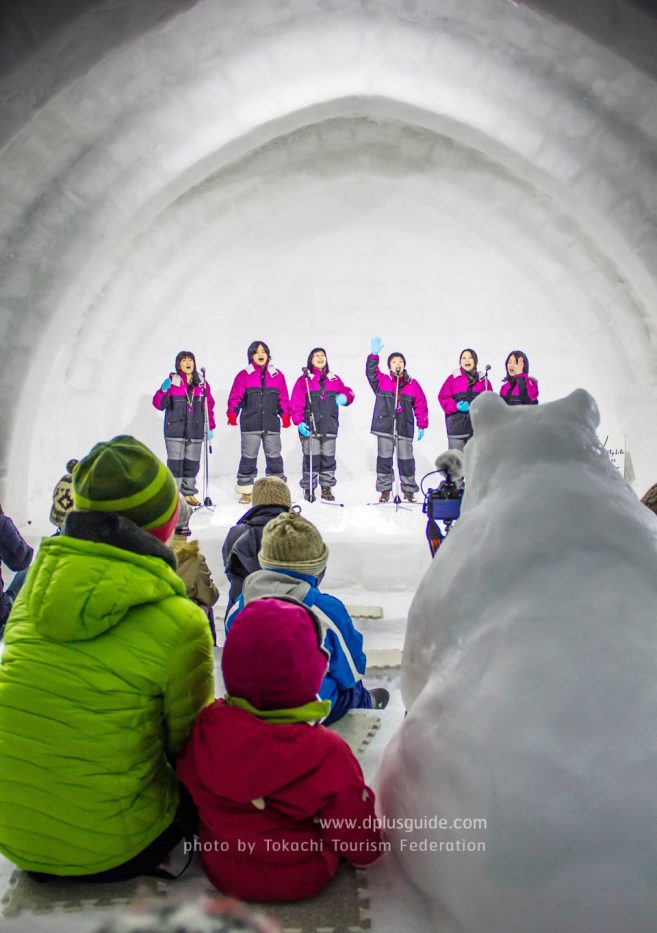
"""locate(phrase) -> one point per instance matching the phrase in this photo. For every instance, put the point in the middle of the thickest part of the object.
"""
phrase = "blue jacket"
(341, 640)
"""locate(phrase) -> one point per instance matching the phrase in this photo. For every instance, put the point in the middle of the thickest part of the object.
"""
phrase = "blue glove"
(304, 430)
(166, 385)
(420, 433)
(376, 346)
(210, 434)
(463, 405)
(341, 399)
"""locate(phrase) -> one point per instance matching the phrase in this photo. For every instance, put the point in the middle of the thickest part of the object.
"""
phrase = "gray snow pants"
(457, 441)
(405, 463)
(184, 459)
(322, 448)
(248, 467)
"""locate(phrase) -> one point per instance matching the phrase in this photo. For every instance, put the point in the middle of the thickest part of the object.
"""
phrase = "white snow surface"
(530, 676)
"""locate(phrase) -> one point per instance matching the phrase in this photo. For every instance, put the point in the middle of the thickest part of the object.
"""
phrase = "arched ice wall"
(447, 173)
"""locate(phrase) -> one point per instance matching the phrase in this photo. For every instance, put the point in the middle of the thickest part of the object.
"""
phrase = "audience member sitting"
(650, 498)
(280, 798)
(105, 668)
(62, 497)
(192, 567)
(270, 497)
(293, 557)
(16, 554)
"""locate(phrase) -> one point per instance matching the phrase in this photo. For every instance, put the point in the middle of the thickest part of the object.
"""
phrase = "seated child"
(294, 559)
(192, 567)
(270, 497)
(272, 786)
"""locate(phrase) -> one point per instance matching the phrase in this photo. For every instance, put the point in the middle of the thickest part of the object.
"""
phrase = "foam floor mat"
(357, 728)
(384, 658)
(342, 907)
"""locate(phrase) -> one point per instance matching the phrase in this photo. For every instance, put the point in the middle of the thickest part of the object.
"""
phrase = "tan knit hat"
(290, 542)
(271, 490)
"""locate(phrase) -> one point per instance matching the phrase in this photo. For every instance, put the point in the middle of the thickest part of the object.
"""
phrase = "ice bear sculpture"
(530, 676)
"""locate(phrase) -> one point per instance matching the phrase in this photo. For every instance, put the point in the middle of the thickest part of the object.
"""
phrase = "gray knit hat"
(271, 490)
(290, 542)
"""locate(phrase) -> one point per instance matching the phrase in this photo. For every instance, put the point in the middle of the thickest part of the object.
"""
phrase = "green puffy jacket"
(105, 667)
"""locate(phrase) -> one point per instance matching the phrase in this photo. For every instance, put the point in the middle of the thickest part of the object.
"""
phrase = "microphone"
(487, 367)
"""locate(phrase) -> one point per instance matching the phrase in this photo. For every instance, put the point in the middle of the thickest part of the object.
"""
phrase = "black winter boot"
(380, 697)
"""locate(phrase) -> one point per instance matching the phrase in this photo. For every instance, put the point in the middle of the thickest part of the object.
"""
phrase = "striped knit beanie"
(290, 542)
(124, 476)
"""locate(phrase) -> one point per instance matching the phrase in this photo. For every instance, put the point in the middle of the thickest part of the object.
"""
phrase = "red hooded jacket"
(279, 804)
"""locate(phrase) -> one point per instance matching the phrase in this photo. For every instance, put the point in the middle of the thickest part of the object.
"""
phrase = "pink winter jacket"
(261, 397)
(520, 390)
(455, 387)
(324, 406)
(182, 419)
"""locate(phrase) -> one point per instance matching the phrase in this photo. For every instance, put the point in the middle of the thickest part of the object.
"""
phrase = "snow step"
(365, 612)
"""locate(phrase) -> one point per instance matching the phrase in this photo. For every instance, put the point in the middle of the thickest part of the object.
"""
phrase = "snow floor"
(377, 558)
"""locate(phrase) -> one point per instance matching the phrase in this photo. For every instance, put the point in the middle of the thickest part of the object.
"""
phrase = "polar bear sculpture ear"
(582, 408)
(488, 411)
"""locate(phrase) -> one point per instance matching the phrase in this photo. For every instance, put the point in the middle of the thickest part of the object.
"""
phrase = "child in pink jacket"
(259, 397)
(316, 395)
(518, 387)
(457, 394)
(274, 788)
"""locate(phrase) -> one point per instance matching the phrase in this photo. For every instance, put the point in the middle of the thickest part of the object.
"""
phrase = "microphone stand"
(395, 439)
(313, 433)
(207, 446)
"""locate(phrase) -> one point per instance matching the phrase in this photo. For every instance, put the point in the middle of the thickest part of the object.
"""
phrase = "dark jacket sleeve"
(233, 536)
(372, 372)
(14, 551)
